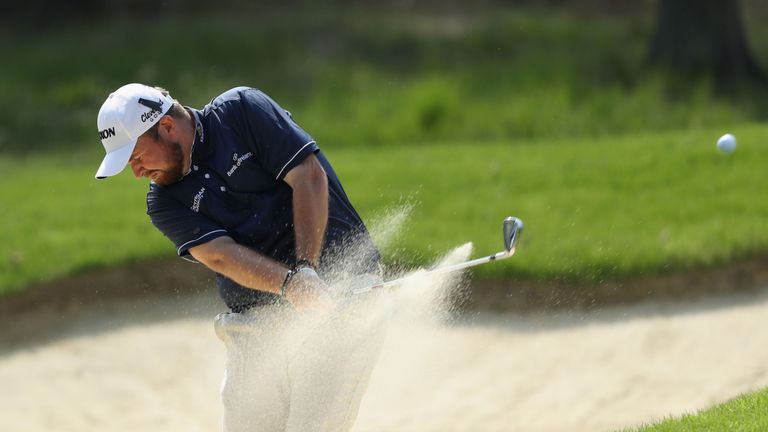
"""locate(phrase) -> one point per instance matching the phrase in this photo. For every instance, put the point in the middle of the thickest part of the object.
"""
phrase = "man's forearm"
(310, 207)
(251, 269)
(241, 264)
(310, 217)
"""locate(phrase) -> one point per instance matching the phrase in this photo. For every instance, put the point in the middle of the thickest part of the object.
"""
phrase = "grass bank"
(613, 207)
(748, 413)
(594, 208)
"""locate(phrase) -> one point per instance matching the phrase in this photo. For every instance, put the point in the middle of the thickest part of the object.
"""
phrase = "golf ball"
(726, 143)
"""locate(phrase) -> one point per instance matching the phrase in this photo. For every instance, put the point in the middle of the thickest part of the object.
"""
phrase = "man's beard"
(175, 159)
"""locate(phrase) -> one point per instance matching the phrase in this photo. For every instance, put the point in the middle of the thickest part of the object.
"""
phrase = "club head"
(513, 229)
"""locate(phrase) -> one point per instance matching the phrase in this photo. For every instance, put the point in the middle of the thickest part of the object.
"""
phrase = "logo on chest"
(196, 200)
(238, 161)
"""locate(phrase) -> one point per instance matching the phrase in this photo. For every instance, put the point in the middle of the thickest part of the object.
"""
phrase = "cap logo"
(106, 133)
(156, 108)
(150, 116)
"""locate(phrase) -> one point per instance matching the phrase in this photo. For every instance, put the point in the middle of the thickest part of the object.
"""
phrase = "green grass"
(613, 207)
(747, 413)
(594, 209)
(57, 220)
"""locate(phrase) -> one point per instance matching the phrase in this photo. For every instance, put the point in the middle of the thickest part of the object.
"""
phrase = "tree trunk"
(697, 38)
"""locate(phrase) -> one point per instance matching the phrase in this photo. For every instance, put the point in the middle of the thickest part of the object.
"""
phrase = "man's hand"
(307, 292)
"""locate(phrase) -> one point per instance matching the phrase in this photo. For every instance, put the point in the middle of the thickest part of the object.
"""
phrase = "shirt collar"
(198, 144)
(199, 131)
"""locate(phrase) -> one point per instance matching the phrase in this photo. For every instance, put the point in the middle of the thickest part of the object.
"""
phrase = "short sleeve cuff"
(183, 250)
(297, 158)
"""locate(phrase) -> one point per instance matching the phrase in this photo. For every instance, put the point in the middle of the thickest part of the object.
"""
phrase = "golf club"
(513, 229)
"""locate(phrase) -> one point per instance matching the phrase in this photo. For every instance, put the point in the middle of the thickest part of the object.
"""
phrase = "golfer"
(239, 187)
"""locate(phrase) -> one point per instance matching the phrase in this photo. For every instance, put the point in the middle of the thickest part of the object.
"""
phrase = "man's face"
(160, 160)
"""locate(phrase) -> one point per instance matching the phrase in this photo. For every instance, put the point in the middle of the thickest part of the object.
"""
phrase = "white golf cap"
(126, 114)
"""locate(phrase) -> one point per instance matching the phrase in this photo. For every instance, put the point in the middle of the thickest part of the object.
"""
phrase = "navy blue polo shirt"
(245, 143)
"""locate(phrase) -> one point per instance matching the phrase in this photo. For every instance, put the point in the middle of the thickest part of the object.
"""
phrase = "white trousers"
(287, 372)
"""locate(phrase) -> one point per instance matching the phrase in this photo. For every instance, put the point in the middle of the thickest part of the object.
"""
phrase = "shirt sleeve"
(278, 142)
(183, 226)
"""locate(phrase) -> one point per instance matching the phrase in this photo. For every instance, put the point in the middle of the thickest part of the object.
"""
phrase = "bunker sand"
(154, 363)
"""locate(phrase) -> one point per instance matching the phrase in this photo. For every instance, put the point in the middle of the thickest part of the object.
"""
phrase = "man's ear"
(166, 127)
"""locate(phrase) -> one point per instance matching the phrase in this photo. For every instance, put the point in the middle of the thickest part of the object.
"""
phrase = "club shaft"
(437, 271)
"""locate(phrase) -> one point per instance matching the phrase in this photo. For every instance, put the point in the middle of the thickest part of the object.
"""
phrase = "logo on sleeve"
(196, 201)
